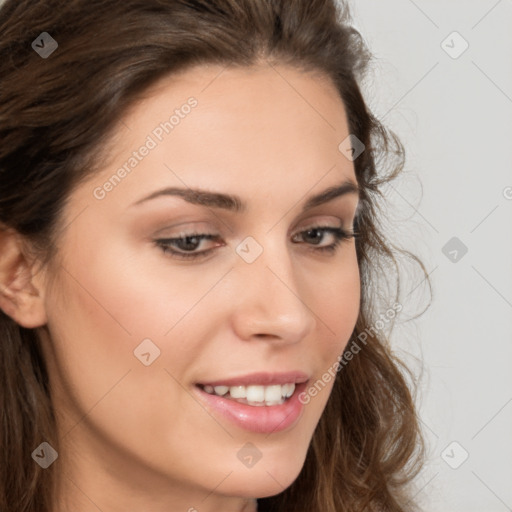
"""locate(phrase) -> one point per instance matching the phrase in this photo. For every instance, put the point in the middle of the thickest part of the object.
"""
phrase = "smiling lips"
(258, 389)
(255, 395)
(262, 403)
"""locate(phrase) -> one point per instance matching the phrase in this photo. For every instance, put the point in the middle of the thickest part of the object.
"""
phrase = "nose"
(270, 301)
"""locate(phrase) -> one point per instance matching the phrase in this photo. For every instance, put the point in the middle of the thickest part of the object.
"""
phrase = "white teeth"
(273, 393)
(221, 390)
(238, 392)
(288, 390)
(255, 394)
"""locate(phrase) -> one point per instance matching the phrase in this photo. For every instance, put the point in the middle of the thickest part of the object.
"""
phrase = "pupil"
(315, 231)
(191, 242)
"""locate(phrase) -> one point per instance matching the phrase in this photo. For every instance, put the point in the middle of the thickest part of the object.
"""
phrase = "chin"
(268, 477)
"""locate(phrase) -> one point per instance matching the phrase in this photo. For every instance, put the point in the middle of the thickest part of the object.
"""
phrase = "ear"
(21, 294)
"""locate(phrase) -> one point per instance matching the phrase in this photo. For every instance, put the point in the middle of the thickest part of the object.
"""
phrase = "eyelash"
(166, 243)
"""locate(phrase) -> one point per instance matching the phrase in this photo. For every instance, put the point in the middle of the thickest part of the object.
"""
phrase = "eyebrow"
(234, 203)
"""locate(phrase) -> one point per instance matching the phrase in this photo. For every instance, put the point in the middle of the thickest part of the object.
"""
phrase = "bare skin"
(135, 437)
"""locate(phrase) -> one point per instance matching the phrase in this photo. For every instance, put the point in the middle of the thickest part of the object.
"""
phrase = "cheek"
(337, 303)
(98, 316)
(99, 312)
(130, 299)
(106, 303)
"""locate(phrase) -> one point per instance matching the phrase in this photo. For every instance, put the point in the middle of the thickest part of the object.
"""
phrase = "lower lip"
(262, 419)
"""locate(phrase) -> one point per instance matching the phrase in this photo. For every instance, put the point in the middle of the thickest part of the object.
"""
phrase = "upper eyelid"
(210, 236)
(191, 228)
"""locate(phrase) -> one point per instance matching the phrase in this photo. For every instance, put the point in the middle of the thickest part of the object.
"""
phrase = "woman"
(188, 204)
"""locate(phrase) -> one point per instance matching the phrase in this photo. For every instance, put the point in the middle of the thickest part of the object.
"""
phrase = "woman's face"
(257, 299)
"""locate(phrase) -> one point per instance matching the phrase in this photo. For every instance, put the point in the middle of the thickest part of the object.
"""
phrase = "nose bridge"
(271, 302)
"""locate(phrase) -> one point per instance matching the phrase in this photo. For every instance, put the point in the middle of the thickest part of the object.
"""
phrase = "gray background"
(454, 117)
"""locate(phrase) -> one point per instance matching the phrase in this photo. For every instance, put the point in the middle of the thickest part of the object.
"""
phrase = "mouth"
(263, 403)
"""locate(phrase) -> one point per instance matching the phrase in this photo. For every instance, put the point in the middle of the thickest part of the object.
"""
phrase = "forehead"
(232, 128)
(240, 101)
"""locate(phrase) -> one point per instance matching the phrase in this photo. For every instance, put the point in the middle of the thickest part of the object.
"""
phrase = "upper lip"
(261, 379)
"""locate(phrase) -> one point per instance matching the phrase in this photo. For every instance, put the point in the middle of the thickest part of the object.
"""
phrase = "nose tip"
(271, 308)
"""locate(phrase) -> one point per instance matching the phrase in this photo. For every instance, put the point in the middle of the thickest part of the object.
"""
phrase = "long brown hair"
(56, 114)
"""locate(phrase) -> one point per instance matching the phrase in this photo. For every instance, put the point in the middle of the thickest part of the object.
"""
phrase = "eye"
(315, 235)
(185, 246)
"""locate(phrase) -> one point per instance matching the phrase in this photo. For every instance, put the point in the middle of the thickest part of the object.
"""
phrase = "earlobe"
(21, 297)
